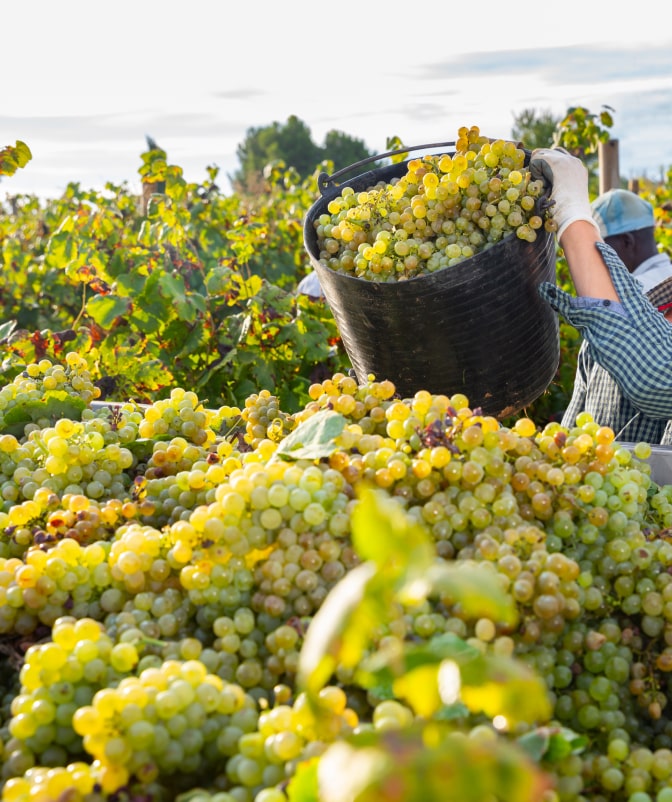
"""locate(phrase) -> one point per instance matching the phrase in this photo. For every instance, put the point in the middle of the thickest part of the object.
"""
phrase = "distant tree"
(535, 129)
(344, 150)
(292, 144)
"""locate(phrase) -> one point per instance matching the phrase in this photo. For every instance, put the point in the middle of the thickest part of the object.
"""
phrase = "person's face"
(623, 244)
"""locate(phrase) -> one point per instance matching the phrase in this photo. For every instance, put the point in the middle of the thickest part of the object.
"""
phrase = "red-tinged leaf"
(96, 333)
(99, 286)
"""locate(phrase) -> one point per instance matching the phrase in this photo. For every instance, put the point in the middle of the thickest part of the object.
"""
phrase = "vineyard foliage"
(191, 287)
(196, 291)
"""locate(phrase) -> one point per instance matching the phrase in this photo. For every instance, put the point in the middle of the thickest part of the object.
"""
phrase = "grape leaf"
(104, 309)
(474, 587)
(392, 674)
(14, 157)
(143, 447)
(343, 627)
(314, 438)
(420, 688)
(552, 743)
(303, 786)
(7, 328)
(52, 406)
(383, 531)
(503, 686)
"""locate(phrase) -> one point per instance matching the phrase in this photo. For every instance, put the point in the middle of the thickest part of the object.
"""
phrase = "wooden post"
(148, 189)
(608, 159)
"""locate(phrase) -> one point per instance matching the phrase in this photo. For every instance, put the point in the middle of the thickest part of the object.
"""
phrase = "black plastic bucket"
(479, 327)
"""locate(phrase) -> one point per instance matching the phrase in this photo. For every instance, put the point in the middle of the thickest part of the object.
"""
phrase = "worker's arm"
(626, 334)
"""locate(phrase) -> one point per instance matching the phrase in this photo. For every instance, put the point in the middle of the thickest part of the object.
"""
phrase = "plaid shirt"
(624, 373)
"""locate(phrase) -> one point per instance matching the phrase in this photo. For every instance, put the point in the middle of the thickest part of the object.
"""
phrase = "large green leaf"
(313, 438)
(172, 286)
(343, 627)
(303, 786)
(474, 586)
(502, 686)
(105, 309)
(414, 674)
(52, 406)
(62, 247)
(190, 306)
(424, 763)
(382, 531)
(7, 328)
(130, 283)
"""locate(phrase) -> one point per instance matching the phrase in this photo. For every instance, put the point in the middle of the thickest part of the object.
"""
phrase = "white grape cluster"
(180, 415)
(442, 210)
(43, 382)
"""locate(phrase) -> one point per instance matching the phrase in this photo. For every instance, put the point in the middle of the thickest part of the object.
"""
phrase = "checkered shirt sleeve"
(577, 402)
(596, 392)
(635, 347)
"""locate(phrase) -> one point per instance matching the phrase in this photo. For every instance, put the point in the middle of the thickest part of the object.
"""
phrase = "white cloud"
(197, 76)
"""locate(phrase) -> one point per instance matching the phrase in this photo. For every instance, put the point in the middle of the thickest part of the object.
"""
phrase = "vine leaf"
(314, 438)
(105, 309)
(14, 157)
(552, 743)
(53, 406)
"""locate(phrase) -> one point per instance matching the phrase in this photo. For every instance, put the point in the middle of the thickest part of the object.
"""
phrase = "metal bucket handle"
(325, 182)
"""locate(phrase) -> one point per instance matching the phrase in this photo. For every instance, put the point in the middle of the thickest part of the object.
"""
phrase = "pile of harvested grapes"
(160, 568)
(442, 210)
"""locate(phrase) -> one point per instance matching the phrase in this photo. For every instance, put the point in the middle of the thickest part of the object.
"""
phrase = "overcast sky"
(84, 82)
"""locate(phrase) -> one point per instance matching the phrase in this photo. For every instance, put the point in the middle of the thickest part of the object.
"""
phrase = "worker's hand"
(567, 178)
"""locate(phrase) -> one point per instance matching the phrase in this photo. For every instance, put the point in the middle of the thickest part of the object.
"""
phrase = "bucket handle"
(329, 189)
(325, 182)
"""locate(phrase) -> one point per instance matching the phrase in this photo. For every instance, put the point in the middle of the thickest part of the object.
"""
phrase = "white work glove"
(568, 179)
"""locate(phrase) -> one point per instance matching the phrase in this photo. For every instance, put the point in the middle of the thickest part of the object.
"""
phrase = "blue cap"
(620, 210)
